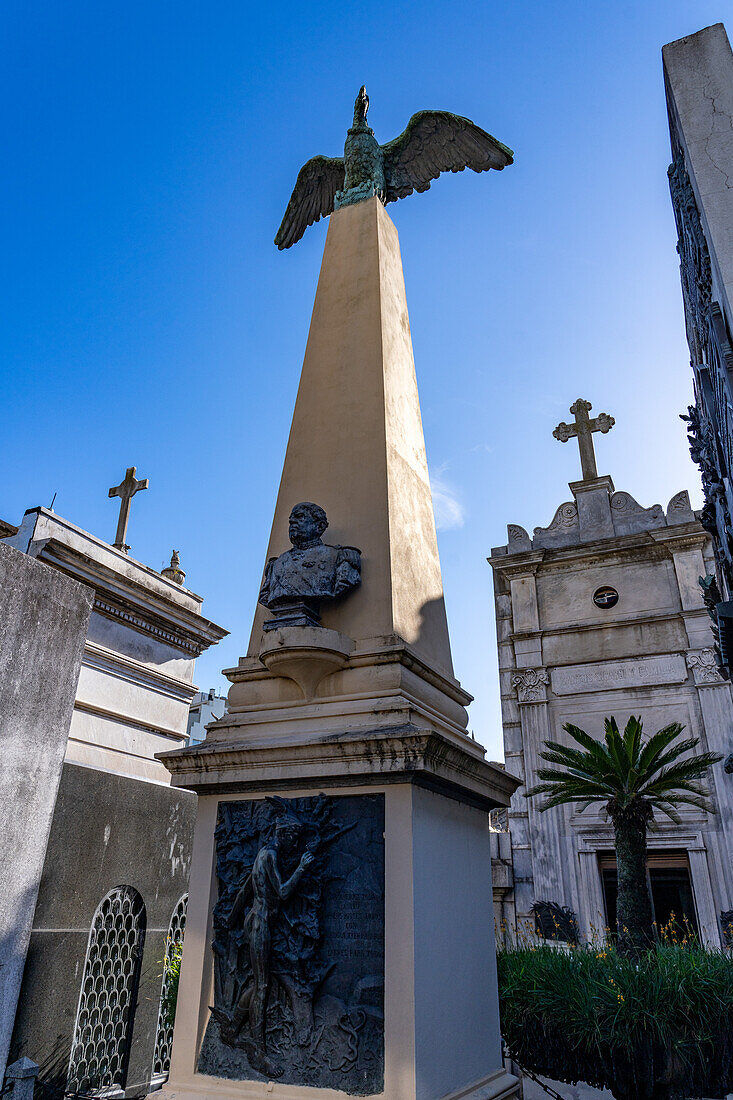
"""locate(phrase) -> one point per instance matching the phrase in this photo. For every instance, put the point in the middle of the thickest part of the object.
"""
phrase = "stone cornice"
(126, 668)
(656, 544)
(526, 561)
(147, 609)
(587, 626)
(127, 720)
(404, 754)
(687, 536)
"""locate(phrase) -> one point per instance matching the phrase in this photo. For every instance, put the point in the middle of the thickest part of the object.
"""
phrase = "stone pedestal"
(426, 1000)
(341, 865)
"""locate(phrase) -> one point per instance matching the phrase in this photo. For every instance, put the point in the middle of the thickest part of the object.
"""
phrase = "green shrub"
(658, 1028)
(171, 977)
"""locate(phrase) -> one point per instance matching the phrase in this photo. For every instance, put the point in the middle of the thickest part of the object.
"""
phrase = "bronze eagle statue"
(433, 142)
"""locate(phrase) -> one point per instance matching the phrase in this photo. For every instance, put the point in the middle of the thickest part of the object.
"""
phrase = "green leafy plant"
(634, 779)
(656, 1028)
(171, 977)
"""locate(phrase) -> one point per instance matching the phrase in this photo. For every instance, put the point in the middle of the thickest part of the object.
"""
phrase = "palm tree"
(633, 779)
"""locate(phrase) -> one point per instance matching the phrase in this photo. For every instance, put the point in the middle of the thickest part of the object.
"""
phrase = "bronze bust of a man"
(296, 582)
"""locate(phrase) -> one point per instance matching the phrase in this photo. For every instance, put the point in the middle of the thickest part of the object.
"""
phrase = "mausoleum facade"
(114, 880)
(600, 613)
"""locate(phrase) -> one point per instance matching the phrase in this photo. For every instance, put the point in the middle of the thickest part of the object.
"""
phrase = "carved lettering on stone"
(704, 667)
(299, 944)
(530, 685)
(576, 679)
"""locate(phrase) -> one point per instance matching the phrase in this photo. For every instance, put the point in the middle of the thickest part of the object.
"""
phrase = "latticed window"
(164, 1035)
(103, 1028)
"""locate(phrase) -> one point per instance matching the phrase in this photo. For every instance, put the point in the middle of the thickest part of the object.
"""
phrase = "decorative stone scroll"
(564, 529)
(517, 538)
(704, 667)
(299, 943)
(531, 685)
(629, 518)
(679, 509)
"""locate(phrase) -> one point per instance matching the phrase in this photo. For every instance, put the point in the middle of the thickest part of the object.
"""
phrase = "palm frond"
(668, 809)
(681, 773)
(596, 748)
(657, 743)
(595, 787)
(673, 753)
(632, 740)
(624, 771)
(615, 746)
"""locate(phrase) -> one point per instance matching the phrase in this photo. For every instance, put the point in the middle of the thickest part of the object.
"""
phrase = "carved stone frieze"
(531, 685)
(704, 667)
(629, 517)
(179, 639)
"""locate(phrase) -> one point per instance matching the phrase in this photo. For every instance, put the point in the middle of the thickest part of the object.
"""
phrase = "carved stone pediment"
(679, 509)
(629, 518)
(517, 539)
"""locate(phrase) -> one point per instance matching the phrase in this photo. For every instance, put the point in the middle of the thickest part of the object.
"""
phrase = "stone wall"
(44, 619)
(108, 831)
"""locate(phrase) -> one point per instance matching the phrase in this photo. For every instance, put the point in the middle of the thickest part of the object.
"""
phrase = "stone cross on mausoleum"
(126, 491)
(583, 428)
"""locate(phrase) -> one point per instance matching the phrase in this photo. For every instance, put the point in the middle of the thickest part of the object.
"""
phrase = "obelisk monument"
(340, 931)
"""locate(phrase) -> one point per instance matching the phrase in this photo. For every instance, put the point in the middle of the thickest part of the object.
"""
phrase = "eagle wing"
(435, 142)
(318, 181)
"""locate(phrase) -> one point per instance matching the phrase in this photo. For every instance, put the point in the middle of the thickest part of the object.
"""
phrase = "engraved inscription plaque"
(299, 943)
(636, 672)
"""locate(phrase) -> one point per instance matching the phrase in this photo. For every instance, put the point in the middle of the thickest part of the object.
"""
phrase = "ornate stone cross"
(583, 428)
(126, 491)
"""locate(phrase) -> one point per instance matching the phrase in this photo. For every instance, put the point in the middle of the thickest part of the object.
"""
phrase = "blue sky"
(149, 151)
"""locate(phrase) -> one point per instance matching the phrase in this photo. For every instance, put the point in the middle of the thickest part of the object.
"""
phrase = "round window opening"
(605, 597)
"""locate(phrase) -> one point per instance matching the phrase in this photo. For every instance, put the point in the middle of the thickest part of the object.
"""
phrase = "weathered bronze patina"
(433, 142)
(296, 582)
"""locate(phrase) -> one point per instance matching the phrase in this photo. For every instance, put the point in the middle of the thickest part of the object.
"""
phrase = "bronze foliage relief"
(299, 943)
